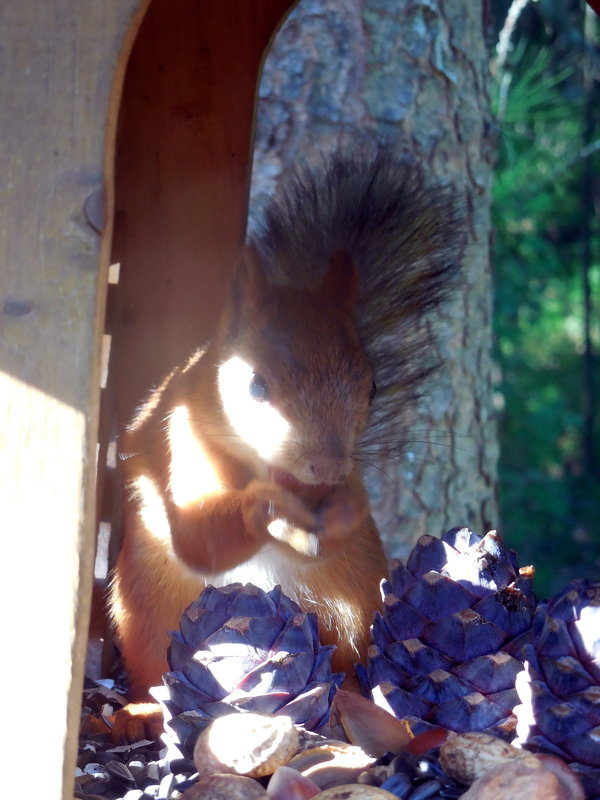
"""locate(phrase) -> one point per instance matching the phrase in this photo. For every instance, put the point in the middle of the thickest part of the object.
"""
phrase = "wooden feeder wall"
(126, 135)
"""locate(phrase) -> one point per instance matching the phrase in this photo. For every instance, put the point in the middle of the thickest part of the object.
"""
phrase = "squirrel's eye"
(258, 388)
(373, 391)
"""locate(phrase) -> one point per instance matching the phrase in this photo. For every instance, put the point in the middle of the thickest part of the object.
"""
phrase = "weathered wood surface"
(55, 93)
(60, 84)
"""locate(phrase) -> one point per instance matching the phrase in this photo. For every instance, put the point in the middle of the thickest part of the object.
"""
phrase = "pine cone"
(242, 649)
(560, 686)
(446, 650)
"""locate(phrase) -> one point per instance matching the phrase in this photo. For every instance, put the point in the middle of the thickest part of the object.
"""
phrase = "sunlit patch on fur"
(191, 473)
(144, 413)
(348, 612)
(152, 509)
(338, 614)
(266, 569)
(258, 424)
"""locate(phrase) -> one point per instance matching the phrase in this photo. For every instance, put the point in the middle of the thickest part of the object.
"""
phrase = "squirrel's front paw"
(268, 510)
(341, 513)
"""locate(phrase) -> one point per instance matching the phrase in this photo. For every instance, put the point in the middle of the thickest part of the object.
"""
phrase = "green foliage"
(550, 505)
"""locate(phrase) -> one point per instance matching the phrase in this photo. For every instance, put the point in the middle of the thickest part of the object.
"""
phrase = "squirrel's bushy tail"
(406, 237)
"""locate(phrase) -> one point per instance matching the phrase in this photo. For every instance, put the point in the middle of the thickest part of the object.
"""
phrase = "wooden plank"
(59, 90)
(56, 89)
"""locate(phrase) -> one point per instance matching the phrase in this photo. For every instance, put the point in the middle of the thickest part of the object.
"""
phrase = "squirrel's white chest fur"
(268, 568)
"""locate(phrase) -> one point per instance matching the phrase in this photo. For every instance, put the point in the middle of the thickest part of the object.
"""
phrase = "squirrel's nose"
(329, 469)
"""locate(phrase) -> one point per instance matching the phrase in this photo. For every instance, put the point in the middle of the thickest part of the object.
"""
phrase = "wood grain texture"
(56, 86)
(60, 86)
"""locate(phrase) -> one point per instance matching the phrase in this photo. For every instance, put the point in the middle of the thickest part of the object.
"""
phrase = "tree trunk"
(412, 73)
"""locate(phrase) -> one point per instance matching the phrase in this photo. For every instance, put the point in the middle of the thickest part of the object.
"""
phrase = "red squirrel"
(243, 465)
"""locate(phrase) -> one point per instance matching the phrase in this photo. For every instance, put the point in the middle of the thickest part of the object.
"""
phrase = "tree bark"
(412, 73)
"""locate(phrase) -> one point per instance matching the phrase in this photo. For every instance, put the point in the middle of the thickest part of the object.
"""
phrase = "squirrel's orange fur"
(242, 464)
(259, 429)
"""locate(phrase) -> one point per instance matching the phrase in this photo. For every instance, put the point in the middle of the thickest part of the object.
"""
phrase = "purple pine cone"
(560, 686)
(242, 649)
(447, 646)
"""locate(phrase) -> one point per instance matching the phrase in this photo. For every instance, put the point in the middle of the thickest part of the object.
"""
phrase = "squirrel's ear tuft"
(341, 281)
